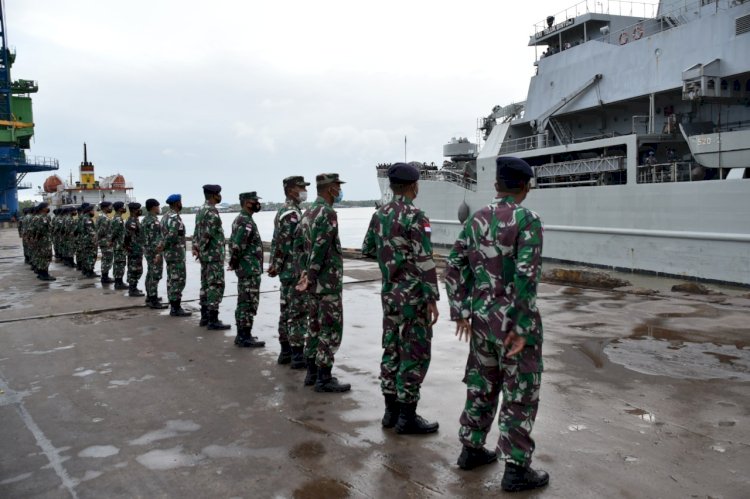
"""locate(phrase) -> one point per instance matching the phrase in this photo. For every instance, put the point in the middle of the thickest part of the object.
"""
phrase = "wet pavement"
(643, 396)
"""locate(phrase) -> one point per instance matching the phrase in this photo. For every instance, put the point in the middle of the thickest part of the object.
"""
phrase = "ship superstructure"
(637, 124)
(16, 130)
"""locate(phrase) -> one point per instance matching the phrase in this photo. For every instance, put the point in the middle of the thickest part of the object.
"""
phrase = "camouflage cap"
(249, 195)
(328, 178)
(295, 181)
(509, 168)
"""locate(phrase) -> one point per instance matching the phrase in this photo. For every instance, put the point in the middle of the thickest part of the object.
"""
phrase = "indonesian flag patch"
(427, 227)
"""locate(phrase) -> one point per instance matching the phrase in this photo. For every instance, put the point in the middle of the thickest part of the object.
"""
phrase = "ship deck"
(643, 396)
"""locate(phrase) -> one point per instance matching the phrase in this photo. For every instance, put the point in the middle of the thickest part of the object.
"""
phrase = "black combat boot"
(106, 279)
(471, 458)
(155, 303)
(44, 276)
(214, 323)
(298, 358)
(392, 410)
(518, 478)
(119, 284)
(78, 264)
(411, 423)
(327, 383)
(246, 340)
(312, 372)
(90, 274)
(176, 310)
(285, 356)
(134, 292)
(204, 316)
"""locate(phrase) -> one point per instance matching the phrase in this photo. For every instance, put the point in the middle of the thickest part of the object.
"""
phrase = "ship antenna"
(85, 155)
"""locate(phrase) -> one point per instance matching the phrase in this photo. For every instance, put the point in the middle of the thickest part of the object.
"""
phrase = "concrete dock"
(642, 396)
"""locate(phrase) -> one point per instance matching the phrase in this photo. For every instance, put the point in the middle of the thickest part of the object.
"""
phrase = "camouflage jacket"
(68, 229)
(493, 271)
(152, 237)
(209, 234)
(41, 231)
(104, 230)
(24, 224)
(173, 232)
(57, 226)
(399, 237)
(133, 237)
(322, 258)
(282, 245)
(245, 246)
(117, 230)
(88, 237)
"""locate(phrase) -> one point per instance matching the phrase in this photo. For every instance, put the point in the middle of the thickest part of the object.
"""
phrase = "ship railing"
(580, 167)
(458, 177)
(525, 143)
(612, 7)
(674, 171)
(598, 136)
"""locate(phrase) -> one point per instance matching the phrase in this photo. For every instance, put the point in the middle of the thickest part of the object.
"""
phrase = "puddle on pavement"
(322, 488)
(307, 449)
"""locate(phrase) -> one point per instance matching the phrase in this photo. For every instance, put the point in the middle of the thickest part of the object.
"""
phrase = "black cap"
(134, 206)
(211, 189)
(118, 205)
(513, 169)
(86, 207)
(42, 206)
(402, 173)
(295, 181)
(105, 204)
(150, 203)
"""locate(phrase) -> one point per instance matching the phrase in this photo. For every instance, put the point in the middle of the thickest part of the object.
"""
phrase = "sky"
(177, 94)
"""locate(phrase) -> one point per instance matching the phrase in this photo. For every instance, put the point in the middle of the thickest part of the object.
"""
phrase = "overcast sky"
(177, 94)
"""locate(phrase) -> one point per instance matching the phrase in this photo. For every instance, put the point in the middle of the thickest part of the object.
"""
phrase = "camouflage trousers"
(176, 277)
(87, 255)
(326, 328)
(285, 303)
(135, 268)
(108, 256)
(212, 284)
(154, 273)
(298, 317)
(407, 345)
(248, 296)
(119, 258)
(488, 372)
(41, 256)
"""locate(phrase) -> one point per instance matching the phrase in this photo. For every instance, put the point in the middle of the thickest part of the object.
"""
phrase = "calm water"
(353, 224)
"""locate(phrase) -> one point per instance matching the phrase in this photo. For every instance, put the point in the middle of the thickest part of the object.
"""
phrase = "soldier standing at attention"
(22, 226)
(153, 246)
(119, 255)
(173, 232)
(399, 237)
(88, 241)
(67, 234)
(56, 234)
(77, 234)
(292, 309)
(322, 279)
(491, 280)
(104, 234)
(209, 248)
(246, 259)
(134, 249)
(42, 237)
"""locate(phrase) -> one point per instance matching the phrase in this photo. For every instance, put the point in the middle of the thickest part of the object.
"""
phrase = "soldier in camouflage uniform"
(69, 237)
(293, 312)
(41, 237)
(246, 259)
(153, 246)
(173, 232)
(88, 241)
(134, 249)
(55, 227)
(77, 233)
(399, 237)
(23, 223)
(491, 280)
(104, 235)
(209, 248)
(119, 255)
(322, 279)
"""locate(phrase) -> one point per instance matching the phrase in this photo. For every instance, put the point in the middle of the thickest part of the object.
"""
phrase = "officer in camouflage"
(246, 259)
(209, 248)
(322, 279)
(88, 241)
(153, 247)
(23, 224)
(293, 311)
(399, 238)
(68, 237)
(134, 248)
(41, 239)
(77, 233)
(119, 255)
(104, 234)
(173, 232)
(491, 280)
(56, 226)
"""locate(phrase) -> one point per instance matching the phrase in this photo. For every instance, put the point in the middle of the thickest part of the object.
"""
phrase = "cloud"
(260, 139)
